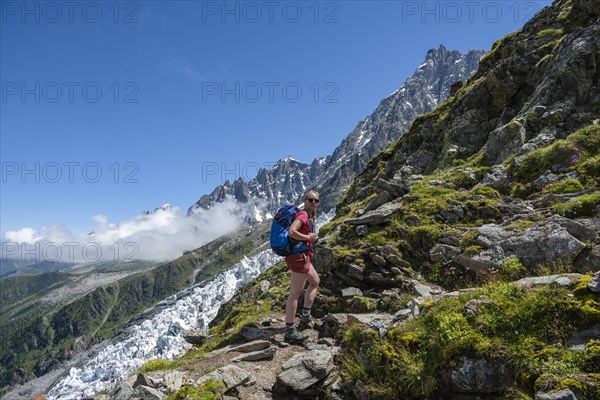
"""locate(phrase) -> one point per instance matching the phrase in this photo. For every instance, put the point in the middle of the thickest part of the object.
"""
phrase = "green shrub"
(519, 190)
(522, 328)
(587, 139)
(566, 186)
(209, 390)
(512, 269)
(537, 161)
(590, 167)
(158, 365)
(424, 237)
(579, 207)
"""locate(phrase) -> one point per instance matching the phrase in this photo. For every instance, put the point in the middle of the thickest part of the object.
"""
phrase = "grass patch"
(579, 207)
(524, 329)
(579, 152)
(566, 186)
(159, 365)
(209, 390)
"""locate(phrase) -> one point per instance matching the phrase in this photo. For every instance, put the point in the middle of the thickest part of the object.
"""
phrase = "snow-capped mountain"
(429, 86)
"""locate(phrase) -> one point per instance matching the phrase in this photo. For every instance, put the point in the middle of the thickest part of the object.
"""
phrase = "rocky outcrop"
(287, 180)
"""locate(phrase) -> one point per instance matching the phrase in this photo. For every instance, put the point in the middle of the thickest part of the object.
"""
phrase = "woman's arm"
(294, 234)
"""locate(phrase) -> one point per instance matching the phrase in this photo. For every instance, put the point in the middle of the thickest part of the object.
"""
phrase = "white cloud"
(27, 235)
(159, 236)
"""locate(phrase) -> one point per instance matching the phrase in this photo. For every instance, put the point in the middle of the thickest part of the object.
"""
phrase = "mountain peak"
(289, 178)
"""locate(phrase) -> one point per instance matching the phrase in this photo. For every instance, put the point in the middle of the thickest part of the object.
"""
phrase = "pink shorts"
(299, 262)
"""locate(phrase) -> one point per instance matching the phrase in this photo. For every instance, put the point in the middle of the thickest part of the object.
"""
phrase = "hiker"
(302, 269)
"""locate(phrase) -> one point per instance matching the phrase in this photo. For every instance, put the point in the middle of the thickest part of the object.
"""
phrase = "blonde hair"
(314, 215)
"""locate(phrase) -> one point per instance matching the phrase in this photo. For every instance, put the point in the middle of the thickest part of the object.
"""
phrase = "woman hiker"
(301, 268)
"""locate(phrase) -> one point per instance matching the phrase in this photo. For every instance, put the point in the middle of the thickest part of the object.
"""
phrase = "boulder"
(490, 235)
(396, 188)
(362, 230)
(195, 336)
(543, 243)
(378, 260)
(332, 325)
(568, 280)
(594, 285)
(252, 332)
(480, 376)
(588, 260)
(351, 292)
(483, 261)
(148, 393)
(377, 322)
(355, 271)
(564, 394)
(379, 216)
(498, 179)
(402, 315)
(255, 345)
(230, 375)
(378, 201)
(256, 355)
(305, 369)
(377, 279)
(443, 253)
(173, 380)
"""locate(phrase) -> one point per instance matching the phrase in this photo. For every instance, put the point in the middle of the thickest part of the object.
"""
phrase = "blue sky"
(111, 108)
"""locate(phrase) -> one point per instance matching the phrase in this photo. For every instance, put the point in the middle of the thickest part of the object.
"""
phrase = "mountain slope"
(460, 262)
(289, 179)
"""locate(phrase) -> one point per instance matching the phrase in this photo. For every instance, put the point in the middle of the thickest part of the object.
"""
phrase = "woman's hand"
(312, 237)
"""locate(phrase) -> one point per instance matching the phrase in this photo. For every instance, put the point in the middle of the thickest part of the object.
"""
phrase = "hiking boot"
(293, 336)
(305, 322)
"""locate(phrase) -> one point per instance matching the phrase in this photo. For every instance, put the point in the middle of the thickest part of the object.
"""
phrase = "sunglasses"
(311, 200)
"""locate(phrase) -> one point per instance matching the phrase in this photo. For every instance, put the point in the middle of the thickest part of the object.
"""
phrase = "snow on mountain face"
(160, 337)
(287, 181)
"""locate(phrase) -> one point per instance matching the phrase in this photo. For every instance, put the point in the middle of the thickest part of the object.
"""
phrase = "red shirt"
(304, 228)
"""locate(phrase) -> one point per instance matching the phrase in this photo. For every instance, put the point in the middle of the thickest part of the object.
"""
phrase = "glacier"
(159, 336)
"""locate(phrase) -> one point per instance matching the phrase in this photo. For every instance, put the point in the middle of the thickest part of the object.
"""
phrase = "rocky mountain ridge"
(463, 263)
(288, 179)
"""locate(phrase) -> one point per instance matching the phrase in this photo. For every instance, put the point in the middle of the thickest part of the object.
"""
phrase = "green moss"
(520, 190)
(590, 168)
(582, 289)
(209, 390)
(512, 269)
(424, 236)
(577, 152)
(579, 207)
(591, 310)
(159, 365)
(521, 225)
(521, 328)
(550, 32)
(566, 186)
(473, 249)
(537, 161)
(361, 304)
(588, 139)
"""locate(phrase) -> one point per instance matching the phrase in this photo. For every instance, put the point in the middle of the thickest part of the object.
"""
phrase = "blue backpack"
(281, 244)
